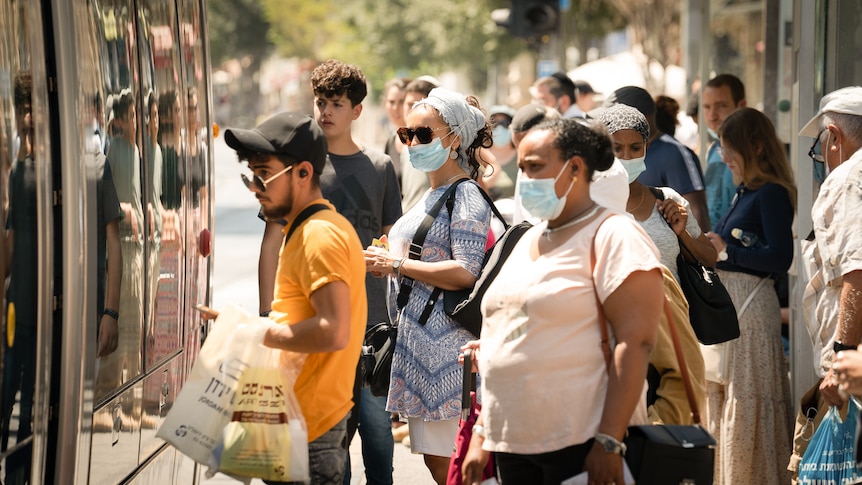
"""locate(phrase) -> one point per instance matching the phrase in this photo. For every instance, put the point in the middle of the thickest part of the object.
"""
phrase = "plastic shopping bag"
(266, 436)
(829, 457)
(196, 419)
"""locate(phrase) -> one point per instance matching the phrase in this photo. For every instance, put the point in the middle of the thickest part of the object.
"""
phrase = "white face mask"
(634, 167)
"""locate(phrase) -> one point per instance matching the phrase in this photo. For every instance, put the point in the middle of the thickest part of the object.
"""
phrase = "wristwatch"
(479, 430)
(396, 266)
(838, 347)
(722, 255)
(610, 444)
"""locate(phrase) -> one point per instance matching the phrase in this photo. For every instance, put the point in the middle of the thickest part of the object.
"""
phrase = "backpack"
(464, 305)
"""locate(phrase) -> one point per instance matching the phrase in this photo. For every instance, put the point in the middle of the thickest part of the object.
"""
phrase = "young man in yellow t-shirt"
(319, 300)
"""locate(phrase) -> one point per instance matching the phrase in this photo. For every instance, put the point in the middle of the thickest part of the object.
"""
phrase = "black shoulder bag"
(710, 309)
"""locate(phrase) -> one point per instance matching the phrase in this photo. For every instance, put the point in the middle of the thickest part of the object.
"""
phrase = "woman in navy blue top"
(750, 411)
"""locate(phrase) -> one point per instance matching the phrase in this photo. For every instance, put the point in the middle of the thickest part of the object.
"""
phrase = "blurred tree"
(655, 26)
(590, 20)
(236, 29)
(300, 28)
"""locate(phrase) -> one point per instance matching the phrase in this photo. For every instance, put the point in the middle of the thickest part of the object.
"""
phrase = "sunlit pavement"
(236, 248)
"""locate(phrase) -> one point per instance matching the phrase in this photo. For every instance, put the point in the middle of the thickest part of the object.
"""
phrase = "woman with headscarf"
(667, 401)
(555, 401)
(666, 221)
(443, 135)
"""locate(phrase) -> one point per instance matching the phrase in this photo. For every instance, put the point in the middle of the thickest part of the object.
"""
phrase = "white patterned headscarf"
(464, 119)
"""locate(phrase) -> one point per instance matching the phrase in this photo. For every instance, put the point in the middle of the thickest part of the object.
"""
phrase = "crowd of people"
(613, 199)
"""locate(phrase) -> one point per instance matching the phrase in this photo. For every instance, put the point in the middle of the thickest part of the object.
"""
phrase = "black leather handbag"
(710, 309)
(375, 361)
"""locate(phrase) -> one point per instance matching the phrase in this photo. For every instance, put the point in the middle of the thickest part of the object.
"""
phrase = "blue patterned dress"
(426, 376)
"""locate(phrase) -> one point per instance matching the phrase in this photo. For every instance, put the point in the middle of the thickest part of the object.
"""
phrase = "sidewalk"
(409, 468)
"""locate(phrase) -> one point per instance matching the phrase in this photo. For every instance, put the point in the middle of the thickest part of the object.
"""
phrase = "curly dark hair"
(334, 78)
(666, 111)
(589, 140)
(484, 139)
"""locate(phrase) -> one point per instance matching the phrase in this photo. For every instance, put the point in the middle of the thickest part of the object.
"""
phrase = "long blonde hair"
(749, 132)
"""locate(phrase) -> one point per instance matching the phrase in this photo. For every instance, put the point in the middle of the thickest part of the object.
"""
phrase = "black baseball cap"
(583, 87)
(295, 135)
(633, 96)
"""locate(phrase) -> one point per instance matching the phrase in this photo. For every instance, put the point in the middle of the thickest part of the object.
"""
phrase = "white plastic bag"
(266, 436)
(195, 422)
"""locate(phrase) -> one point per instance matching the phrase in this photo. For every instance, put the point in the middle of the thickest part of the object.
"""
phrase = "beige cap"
(845, 100)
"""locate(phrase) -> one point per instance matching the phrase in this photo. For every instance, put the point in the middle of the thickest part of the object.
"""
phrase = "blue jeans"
(327, 457)
(375, 430)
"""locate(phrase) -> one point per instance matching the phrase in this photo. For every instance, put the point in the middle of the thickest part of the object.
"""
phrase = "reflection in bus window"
(125, 163)
(19, 362)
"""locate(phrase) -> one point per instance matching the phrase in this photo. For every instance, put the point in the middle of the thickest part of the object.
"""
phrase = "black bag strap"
(415, 250)
(468, 384)
(450, 205)
(302, 216)
(660, 196)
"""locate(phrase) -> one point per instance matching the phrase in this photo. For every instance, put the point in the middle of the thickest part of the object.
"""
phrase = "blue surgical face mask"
(428, 157)
(502, 135)
(634, 167)
(539, 196)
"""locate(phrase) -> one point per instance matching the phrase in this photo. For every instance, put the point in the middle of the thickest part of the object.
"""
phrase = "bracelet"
(111, 313)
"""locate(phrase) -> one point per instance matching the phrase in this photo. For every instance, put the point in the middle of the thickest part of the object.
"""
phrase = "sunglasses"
(422, 133)
(259, 183)
(814, 151)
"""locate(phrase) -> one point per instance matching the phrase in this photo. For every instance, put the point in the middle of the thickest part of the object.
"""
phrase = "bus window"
(123, 134)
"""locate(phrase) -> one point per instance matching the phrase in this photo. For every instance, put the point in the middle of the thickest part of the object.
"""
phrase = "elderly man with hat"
(319, 306)
(832, 307)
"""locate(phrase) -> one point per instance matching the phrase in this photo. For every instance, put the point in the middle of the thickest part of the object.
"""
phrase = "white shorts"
(433, 437)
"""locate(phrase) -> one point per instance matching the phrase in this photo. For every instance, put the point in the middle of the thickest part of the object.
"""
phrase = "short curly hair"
(334, 78)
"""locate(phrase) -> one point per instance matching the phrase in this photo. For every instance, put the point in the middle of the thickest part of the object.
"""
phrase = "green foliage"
(237, 29)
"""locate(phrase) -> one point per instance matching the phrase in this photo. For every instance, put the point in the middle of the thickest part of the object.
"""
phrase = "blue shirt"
(669, 163)
(766, 215)
(719, 184)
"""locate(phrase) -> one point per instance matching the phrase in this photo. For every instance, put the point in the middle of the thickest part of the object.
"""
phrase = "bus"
(105, 149)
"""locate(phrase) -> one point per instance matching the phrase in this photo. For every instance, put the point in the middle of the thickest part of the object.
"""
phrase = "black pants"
(545, 468)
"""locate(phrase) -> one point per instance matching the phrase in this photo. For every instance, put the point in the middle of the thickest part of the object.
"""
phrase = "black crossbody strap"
(415, 250)
(660, 196)
(302, 216)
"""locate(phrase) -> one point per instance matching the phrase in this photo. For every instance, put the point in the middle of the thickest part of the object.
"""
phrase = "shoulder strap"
(660, 196)
(305, 214)
(450, 204)
(415, 250)
(677, 348)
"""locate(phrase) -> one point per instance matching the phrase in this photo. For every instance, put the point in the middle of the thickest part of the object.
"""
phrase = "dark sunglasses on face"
(259, 183)
(422, 133)
(815, 151)
(504, 122)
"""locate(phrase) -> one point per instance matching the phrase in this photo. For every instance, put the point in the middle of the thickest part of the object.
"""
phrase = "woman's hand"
(603, 467)
(473, 345)
(474, 462)
(675, 214)
(379, 261)
(716, 240)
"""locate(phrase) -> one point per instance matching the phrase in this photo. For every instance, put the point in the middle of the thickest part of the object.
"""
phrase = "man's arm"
(109, 332)
(848, 331)
(268, 264)
(327, 331)
(697, 201)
